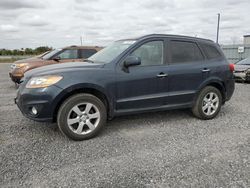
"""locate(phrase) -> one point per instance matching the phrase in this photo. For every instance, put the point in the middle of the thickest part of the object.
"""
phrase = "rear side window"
(211, 51)
(183, 51)
(86, 53)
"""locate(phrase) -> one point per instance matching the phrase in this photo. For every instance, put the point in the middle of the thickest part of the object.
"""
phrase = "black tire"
(66, 107)
(197, 108)
(16, 85)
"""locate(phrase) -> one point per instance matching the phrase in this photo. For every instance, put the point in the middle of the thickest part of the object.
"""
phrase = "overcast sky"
(57, 23)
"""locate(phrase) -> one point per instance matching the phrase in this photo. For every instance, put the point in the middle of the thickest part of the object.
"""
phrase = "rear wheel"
(81, 116)
(208, 103)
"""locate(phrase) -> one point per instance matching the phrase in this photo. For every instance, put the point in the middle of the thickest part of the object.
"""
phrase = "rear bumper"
(230, 87)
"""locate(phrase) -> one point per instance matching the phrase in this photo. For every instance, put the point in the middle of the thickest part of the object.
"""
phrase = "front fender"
(66, 92)
(84, 85)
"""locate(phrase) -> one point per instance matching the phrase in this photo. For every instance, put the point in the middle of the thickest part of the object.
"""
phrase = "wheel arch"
(83, 88)
(218, 84)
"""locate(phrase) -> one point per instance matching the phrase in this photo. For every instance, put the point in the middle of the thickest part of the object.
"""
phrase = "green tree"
(29, 51)
(25, 51)
(42, 49)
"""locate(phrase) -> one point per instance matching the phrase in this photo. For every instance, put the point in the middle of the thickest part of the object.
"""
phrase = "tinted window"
(86, 53)
(185, 52)
(68, 54)
(210, 51)
(151, 53)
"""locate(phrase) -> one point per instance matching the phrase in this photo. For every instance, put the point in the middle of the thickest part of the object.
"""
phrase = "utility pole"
(218, 28)
(81, 40)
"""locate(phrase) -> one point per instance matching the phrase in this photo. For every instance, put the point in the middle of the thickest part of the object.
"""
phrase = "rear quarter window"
(211, 51)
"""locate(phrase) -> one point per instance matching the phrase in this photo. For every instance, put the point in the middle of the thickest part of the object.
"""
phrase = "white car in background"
(242, 70)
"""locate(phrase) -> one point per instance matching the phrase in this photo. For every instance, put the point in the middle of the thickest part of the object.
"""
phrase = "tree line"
(25, 51)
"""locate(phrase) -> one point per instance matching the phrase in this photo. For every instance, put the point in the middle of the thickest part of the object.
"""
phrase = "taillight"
(231, 67)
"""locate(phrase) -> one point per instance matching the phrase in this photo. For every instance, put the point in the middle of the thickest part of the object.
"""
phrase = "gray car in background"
(242, 70)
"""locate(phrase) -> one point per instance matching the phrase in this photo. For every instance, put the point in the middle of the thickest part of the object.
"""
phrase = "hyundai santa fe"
(150, 73)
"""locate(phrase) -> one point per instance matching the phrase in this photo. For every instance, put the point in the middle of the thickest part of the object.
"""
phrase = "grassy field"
(11, 59)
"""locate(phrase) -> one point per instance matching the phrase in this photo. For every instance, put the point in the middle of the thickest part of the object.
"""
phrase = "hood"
(62, 67)
(241, 67)
(29, 60)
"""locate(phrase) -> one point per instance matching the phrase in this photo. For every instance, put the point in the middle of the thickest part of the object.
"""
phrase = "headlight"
(20, 65)
(43, 81)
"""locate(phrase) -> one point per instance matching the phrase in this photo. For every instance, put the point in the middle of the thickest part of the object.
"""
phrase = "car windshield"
(50, 54)
(244, 62)
(111, 52)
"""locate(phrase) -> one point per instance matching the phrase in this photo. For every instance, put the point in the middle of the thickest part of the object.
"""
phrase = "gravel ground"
(165, 149)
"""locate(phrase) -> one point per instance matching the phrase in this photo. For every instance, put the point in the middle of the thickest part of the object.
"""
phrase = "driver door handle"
(205, 70)
(162, 75)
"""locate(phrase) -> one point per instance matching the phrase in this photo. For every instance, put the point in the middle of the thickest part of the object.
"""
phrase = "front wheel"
(81, 116)
(208, 103)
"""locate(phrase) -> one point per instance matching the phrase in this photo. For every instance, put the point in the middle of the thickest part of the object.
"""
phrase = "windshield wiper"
(88, 60)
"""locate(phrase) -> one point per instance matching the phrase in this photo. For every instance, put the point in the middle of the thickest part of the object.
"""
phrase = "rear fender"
(213, 81)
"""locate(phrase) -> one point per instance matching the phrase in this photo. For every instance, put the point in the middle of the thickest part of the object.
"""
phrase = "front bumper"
(242, 76)
(43, 99)
(16, 74)
(15, 78)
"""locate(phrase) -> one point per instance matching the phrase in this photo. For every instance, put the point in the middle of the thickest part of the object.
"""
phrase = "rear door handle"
(206, 70)
(162, 75)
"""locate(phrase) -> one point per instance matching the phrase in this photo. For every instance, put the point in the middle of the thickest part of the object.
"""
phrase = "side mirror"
(57, 58)
(132, 61)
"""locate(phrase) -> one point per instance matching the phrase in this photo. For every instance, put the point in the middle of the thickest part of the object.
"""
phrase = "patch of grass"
(10, 60)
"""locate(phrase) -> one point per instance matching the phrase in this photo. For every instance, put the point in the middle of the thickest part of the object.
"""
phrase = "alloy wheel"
(210, 103)
(83, 118)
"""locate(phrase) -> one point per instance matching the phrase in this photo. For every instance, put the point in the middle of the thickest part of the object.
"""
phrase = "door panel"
(69, 60)
(184, 80)
(143, 86)
(185, 71)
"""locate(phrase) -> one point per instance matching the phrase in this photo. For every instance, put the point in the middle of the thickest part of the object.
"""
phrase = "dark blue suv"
(150, 73)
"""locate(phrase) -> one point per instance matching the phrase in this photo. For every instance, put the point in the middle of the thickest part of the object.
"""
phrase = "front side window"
(68, 54)
(111, 52)
(182, 51)
(151, 53)
(51, 54)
